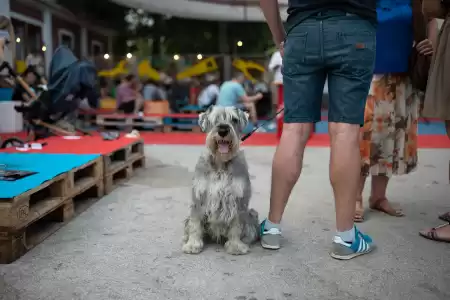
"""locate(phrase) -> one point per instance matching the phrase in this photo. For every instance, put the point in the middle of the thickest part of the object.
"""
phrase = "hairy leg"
(345, 170)
(234, 245)
(193, 235)
(287, 166)
(359, 208)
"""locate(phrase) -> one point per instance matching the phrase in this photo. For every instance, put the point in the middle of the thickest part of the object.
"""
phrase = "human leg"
(378, 200)
(251, 107)
(303, 86)
(348, 84)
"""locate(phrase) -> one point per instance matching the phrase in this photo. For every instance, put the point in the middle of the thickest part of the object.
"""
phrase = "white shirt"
(208, 94)
(276, 62)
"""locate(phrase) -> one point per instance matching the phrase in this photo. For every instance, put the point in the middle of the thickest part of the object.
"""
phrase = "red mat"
(85, 145)
(95, 145)
(269, 139)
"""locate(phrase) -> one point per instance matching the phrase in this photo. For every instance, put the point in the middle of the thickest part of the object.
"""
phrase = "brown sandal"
(445, 217)
(359, 214)
(432, 234)
(378, 205)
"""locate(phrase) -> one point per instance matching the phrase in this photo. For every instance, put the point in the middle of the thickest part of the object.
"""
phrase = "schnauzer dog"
(221, 188)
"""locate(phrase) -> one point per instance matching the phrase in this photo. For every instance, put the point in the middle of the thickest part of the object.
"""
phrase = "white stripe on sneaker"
(272, 231)
(363, 246)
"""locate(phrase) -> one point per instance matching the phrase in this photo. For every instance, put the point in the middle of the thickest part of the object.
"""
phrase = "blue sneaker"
(270, 239)
(342, 250)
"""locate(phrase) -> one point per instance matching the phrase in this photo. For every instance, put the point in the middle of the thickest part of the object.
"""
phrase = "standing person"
(437, 96)
(338, 41)
(208, 96)
(275, 64)
(232, 93)
(389, 138)
(7, 49)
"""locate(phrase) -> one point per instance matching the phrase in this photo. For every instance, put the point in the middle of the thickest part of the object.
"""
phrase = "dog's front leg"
(234, 245)
(193, 235)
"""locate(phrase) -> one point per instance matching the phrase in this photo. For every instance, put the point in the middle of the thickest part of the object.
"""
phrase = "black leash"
(258, 127)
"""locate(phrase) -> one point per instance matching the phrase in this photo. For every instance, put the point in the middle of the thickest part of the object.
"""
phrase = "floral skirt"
(389, 135)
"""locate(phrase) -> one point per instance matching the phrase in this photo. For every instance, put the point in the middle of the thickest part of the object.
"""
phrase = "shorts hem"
(300, 120)
(346, 121)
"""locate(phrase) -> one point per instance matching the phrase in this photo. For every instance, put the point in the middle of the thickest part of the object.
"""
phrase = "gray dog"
(221, 188)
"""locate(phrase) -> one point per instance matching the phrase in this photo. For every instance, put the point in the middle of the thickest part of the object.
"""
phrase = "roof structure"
(217, 10)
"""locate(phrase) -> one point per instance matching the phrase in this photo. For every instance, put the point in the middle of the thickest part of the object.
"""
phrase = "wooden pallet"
(133, 121)
(14, 244)
(28, 219)
(119, 165)
(22, 210)
(86, 176)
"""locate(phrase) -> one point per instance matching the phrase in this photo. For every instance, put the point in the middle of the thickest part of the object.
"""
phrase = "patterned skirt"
(389, 135)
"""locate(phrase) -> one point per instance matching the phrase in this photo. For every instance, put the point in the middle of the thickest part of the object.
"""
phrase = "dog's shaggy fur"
(221, 188)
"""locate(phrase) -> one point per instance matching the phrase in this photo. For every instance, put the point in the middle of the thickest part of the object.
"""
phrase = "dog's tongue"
(223, 148)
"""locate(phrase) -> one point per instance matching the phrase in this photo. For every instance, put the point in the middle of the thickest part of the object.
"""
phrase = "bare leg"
(252, 110)
(138, 104)
(287, 166)
(193, 235)
(378, 200)
(447, 127)
(345, 170)
(359, 208)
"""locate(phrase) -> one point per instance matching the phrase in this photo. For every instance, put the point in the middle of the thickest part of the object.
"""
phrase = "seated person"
(232, 93)
(30, 78)
(208, 96)
(128, 98)
(152, 91)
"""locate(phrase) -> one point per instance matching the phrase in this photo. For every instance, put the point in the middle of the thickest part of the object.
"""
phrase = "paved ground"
(127, 246)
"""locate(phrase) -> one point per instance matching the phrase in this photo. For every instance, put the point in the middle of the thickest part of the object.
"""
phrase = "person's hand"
(259, 96)
(425, 47)
(281, 48)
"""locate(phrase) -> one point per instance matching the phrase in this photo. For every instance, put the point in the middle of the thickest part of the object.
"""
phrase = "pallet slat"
(15, 212)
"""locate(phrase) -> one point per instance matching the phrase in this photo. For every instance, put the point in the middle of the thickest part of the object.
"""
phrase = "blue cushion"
(6, 94)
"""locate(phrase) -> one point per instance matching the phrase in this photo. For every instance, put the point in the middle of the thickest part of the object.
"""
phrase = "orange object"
(156, 107)
(281, 115)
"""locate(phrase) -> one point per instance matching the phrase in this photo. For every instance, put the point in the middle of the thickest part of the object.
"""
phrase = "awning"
(214, 10)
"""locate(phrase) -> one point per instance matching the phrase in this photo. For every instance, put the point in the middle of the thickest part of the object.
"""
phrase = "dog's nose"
(223, 130)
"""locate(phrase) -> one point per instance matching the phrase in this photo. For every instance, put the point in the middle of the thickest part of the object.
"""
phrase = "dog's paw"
(236, 248)
(193, 247)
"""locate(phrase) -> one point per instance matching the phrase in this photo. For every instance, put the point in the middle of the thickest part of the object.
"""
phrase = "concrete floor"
(127, 246)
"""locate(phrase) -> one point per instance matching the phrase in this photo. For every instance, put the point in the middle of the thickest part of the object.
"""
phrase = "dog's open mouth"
(223, 146)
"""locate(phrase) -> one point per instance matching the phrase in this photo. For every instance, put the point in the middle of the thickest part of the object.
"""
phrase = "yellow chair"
(119, 69)
(145, 70)
(21, 66)
(108, 103)
(244, 66)
(205, 66)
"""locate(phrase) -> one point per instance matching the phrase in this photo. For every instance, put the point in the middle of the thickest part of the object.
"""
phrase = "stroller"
(70, 81)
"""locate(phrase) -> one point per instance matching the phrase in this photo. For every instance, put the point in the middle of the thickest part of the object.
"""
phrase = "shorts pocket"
(361, 47)
(295, 45)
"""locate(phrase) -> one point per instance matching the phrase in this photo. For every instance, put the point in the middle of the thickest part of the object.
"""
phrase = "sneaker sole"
(270, 247)
(348, 257)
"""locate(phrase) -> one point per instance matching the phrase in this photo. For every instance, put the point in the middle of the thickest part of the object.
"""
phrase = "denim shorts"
(334, 45)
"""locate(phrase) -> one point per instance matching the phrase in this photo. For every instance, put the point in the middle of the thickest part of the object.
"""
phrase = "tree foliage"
(179, 35)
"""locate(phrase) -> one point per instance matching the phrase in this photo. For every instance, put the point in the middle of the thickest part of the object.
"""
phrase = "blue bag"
(394, 36)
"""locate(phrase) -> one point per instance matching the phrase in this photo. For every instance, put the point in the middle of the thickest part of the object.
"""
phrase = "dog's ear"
(203, 121)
